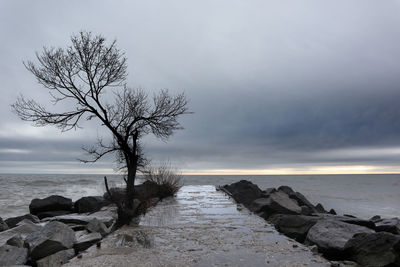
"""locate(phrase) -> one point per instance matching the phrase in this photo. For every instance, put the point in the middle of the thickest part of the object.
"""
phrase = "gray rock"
(293, 226)
(16, 241)
(96, 226)
(243, 192)
(50, 203)
(388, 225)
(117, 193)
(286, 189)
(13, 221)
(347, 219)
(320, 208)
(53, 213)
(22, 230)
(10, 255)
(331, 236)
(374, 249)
(278, 202)
(267, 192)
(3, 225)
(86, 241)
(56, 259)
(85, 219)
(302, 201)
(375, 218)
(306, 210)
(53, 237)
(149, 190)
(90, 204)
(332, 211)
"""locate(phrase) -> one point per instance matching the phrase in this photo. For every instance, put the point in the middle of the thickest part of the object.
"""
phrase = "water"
(360, 195)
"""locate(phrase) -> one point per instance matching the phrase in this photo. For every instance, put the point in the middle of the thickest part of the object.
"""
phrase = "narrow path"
(200, 227)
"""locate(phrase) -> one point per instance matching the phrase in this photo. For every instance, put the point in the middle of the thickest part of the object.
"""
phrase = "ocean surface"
(360, 195)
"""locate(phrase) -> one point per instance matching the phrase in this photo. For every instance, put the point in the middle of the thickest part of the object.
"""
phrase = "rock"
(117, 193)
(331, 236)
(306, 210)
(332, 211)
(293, 226)
(3, 225)
(13, 221)
(51, 203)
(267, 192)
(388, 225)
(344, 264)
(320, 208)
(351, 220)
(302, 201)
(22, 230)
(56, 259)
(374, 249)
(53, 213)
(16, 241)
(243, 192)
(90, 204)
(286, 189)
(86, 241)
(375, 218)
(10, 255)
(96, 226)
(53, 237)
(148, 190)
(278, 202)
(84, 219)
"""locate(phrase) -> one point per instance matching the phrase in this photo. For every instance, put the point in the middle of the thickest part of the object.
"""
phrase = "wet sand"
(200, 227)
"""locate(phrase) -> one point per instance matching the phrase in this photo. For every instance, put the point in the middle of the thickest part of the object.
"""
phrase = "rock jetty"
(373, 242)
(57, 230)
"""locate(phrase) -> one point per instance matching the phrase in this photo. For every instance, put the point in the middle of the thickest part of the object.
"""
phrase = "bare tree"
(80, 75)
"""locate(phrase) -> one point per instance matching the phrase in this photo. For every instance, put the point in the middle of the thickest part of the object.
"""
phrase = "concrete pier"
(200, 227)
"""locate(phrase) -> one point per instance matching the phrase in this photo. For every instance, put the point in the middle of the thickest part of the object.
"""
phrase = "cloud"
(272, 84)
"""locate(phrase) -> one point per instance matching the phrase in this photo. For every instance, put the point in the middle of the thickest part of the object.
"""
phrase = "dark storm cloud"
(272, 84)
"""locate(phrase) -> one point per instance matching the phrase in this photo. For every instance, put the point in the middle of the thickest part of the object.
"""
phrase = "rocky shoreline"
(57, 230)
(373, 242)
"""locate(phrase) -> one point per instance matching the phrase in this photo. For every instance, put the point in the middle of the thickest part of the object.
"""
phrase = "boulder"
(243, 192)
(331, 236)
(320, 208)
(90, 204)
(374, 249)
(306, 210)
(117, 193)
(332, 211)
(148, 190)
(278, 202)
(83, 242)
(3, 225)
(78, 219)
(16, 241)
(293, 226)
(267, 192)
(50, 203)
(10, 255)
(53, 213)
(13, 221)
(56, 259)
(53, 237)
(286, 189)
(96, 226)
(22, 230)
(302, 201)
(347, 219)
(388, 225)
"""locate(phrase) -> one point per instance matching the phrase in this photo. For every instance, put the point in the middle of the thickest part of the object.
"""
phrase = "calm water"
(361, 195)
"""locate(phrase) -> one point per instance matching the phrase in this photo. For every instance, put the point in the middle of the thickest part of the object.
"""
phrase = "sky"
(275, 87)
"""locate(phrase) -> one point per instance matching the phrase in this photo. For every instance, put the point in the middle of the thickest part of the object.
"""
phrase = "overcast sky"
(275, 86)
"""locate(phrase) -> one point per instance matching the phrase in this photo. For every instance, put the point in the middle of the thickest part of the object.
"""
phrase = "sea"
(359, 195)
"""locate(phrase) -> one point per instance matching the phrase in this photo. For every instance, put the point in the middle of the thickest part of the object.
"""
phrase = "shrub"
(168, 180)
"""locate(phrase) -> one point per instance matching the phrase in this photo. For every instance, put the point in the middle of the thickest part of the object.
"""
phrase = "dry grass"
(166, 177)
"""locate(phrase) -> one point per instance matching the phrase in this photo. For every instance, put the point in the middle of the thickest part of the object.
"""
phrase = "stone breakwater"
(373, 242)
(57, 230)
(199, 227)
